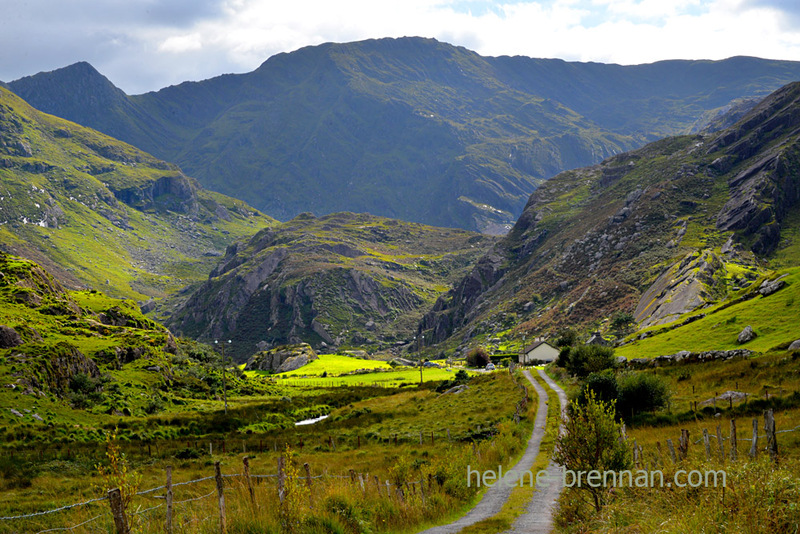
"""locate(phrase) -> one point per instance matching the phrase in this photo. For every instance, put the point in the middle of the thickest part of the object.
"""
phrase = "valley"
(151, 325)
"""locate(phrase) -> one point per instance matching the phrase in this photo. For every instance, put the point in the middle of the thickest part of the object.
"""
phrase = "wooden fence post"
(754, 443)
(635, 454)
(671, 448)
(734, 452)
(120, 521)
(307, 469)
(223, 527)
(772, 441)
(168, 524)
(720, 443)
(249, 481)
(660, 454)
(281, 478)
(707, 444)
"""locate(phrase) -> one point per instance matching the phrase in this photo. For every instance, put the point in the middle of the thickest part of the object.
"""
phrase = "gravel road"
(496, 496)
(538, 519)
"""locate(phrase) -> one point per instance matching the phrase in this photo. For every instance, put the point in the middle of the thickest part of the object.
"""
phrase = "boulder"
(746, 335)
(795, 345)
(9, 337)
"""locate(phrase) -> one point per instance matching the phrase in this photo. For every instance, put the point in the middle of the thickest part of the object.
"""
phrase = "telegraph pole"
(419, 355)
(224, 383)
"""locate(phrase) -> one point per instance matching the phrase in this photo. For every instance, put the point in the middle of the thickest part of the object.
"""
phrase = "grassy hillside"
(102, 214)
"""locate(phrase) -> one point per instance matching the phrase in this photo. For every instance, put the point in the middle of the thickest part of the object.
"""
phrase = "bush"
(604, 385)
(590, 442)
(641, 392)
(462, 375)
(478, 357)
(586, 359)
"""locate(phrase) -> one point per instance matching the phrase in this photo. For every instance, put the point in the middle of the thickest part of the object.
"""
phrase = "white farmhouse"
(538, 352)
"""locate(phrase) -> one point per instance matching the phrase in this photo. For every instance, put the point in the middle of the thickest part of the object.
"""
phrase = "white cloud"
(147, 44)
(181, 43)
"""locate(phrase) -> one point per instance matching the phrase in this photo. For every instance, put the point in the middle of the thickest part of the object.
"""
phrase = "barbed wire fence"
(107, 512)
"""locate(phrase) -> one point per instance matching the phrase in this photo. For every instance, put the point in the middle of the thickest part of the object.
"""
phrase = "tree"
(621, 320)
(566, 338)
(590, 442)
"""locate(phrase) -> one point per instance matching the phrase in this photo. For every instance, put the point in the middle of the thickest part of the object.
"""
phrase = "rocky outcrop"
(9, 337)
(65, 362)
(173, 192)
(683, 287)
(282, 359)
(762, 194)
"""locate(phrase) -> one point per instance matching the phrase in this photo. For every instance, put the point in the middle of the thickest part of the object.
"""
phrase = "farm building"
(538, 352)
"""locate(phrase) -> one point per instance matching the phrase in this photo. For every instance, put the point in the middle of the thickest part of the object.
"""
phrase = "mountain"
(338, 280)
(407, 128)
(100, 213)
(679, 226)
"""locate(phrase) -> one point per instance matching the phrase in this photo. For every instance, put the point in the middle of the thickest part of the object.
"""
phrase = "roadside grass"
(774, 319)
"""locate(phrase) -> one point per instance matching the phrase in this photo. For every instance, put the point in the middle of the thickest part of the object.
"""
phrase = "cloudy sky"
(144, 45)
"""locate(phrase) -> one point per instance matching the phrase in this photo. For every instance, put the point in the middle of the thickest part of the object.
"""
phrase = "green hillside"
(103, 214)
(406, 128)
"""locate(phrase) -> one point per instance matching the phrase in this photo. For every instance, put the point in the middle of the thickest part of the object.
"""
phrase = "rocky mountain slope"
(342, 279)
(407, 128)
(658, 232)
(97, 212)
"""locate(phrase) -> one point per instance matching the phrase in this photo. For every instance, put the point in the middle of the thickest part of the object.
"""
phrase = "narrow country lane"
(496, 496)
(538, 519)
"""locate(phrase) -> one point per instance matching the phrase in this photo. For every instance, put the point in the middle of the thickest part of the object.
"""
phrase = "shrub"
(462, 375)
(604, 385)
(641, 392)
(477, 357)
(590, 442)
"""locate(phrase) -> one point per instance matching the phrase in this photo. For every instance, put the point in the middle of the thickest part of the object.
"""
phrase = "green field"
(337, 369)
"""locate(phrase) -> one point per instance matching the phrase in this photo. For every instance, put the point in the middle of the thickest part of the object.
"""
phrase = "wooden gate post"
(734, 452)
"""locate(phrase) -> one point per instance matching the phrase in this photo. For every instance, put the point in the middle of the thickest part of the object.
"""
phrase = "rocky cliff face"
(656, 232)
(343, 278)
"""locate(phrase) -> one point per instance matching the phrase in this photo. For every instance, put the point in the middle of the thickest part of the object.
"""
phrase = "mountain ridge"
(368, 126)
